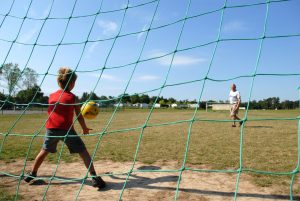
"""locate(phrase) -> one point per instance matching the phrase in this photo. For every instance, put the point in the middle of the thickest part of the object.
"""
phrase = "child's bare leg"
(87, 160)
(39, 160)
(233, 118)
(37, 163)
(96, 180)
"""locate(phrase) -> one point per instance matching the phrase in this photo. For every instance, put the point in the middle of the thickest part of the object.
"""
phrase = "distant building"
(223, 106)
(136, 105)
(140, 105)
(157, 105)
(120, 105)
(144, 105)
(220, 106)
(194, 105)
(174, 105)
(182, 106)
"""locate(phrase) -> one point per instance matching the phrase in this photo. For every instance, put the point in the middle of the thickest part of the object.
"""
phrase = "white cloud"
(186, 60)
(46, 11)
(147, 78)
(91, 49)
(105, 76)
(26, 37)
(35, 14)
(234, 26)
(108, 27)
(109, 77)
(179, 60)
(139, 36)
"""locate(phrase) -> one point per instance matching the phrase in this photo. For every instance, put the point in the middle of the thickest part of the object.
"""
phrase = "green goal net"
(132, 38)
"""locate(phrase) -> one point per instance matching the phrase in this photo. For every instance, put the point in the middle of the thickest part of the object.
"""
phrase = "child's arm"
(81, 121)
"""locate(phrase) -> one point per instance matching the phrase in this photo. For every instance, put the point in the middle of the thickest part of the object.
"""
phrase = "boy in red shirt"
(60, 121)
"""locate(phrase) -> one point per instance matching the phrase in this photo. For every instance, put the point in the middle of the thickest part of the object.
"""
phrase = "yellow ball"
(89, 110)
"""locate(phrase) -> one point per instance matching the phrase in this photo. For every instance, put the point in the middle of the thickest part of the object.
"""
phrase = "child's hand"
(86, 130)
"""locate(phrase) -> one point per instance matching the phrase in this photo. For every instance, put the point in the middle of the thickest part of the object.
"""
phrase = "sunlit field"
(269, 143)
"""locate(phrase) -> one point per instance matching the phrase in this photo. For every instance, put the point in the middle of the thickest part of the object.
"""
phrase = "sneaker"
(30, 176)
(241, 123)
(233, 125)
(98, 182)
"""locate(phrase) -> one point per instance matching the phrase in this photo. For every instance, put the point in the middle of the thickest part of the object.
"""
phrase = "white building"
(194, 105)
(223, 106)
(182, 106)
(157, 105)
(144, 105)
(174, 105)
(136, 105)
(220, 106)
(120, 105)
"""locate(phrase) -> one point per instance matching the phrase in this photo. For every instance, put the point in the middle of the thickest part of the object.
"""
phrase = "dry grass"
(267, 145)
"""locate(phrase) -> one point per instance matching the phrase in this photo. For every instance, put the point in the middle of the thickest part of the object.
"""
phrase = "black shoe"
(98, 182)
(30, 177)
(241, 123)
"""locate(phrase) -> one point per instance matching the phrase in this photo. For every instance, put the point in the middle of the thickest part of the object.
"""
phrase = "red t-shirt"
(62, 115)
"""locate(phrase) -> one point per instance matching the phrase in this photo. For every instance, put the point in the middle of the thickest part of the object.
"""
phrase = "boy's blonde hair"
(65, 76)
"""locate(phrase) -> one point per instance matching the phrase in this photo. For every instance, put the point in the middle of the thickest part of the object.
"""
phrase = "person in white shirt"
(235, 101)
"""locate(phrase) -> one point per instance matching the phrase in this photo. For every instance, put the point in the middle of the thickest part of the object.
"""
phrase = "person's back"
(234, 96)
(61, 110)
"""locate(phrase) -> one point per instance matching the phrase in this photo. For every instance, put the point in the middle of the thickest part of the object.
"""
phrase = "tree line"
(22, 89)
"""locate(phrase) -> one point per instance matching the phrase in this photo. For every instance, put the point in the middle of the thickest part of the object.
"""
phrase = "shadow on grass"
(259, 126)
(145, 182)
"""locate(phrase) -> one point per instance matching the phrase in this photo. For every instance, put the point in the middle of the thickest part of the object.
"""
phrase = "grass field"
(268, 145)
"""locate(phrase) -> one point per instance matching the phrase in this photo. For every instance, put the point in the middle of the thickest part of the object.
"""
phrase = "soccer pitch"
(268, 144)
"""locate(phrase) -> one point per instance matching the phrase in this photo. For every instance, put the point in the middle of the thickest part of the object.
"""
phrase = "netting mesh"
(132, 68)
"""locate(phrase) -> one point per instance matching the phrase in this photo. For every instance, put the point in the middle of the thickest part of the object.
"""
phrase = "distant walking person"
(235, 101)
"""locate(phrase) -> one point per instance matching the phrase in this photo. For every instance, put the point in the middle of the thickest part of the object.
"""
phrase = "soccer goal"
(120, 50)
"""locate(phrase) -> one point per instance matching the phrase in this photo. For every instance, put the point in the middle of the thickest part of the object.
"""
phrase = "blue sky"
(195, 59)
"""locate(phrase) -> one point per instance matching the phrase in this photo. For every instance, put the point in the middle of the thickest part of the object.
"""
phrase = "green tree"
(2, 98)
(145, 98)
(172, 100)
(26, 95)
(84, 97)
(194, 101)
(94, 96)
(163, 103)
(88, 96)
(135, 98)
(103, 98)
(125, 98)
(29, 78)
(103, 101)
(11, 73)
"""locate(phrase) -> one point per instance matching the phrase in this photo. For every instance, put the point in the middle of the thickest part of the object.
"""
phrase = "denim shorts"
(73, 141)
